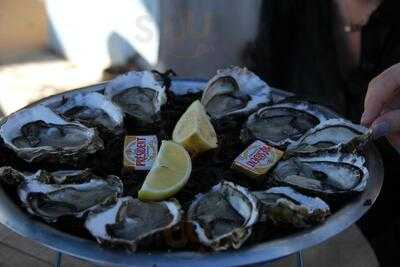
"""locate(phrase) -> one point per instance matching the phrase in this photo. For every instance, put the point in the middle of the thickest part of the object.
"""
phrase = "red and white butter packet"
(257, 159)
(140, 151)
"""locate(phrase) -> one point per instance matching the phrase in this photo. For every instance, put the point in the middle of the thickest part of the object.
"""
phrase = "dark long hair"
(295, 50)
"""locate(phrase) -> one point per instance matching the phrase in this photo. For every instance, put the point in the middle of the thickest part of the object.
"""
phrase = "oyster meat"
(283, 205)
(133, 223)
(91, 109)
(69, 176)
(139, 94)
(37, 133)
(45, 198)
(324, 172)
(282, 124)
(235, 91)
(330, 134)
(222, 218)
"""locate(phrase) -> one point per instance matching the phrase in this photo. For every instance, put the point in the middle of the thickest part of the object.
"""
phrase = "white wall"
(194, 37)
(100, 32)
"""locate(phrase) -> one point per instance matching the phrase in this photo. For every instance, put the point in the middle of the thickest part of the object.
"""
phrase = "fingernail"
(364, 118)
(380, 129)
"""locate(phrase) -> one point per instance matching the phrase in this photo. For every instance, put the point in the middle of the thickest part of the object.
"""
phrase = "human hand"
(382, 106)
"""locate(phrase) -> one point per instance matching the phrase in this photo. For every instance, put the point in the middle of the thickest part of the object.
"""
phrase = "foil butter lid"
(140, 151)
(257, 159)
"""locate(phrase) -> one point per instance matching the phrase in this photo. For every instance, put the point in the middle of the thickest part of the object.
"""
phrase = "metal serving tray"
(15, 218)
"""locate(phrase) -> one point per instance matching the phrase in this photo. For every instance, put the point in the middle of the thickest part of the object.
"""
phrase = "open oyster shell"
(283, 205)
(45, 198)
(51, 195)
(324, 172)
(282, 124)
(139, 94)
(38, 133)
(91, 109)
(331, 134)
(235, 91)
(222, 218)
(132, 223)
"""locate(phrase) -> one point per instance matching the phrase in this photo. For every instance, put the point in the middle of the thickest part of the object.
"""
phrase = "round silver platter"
(15, 218)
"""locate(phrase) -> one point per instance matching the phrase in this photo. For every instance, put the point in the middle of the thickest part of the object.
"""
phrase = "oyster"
(132, 223)
(223, 217)
(91, 109)
(329, 134)
(235, 91)
(283, 205)
(49, 200)
(282, 124)
(37, 133)
(324, 172)
(139, 94)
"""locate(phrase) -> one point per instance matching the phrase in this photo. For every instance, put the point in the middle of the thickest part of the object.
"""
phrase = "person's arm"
(382, 106)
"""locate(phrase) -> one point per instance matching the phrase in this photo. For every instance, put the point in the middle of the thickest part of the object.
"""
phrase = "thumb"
(386, 124)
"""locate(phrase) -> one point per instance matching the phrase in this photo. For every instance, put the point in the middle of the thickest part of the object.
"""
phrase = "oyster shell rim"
(295, 201)
(33, 181)
(307, 107)
(61, 104)
(238, 236)
(11, 126)
(142, 79)
(294, 146)
(334, 156)
(299, 197)
(238, 74)
(103, 237)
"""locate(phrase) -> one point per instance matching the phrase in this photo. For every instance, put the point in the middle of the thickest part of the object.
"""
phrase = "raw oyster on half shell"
(132, 223)
(235, 91)
(324, 172)
(222, 218)
(140, 94)
(91, 109)
(44, 197)
(330, 134)
(38, 133)
(283, 205)
(282, 124)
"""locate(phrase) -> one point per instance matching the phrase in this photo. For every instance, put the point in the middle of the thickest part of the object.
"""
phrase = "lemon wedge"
(169, 173)
(194, 130)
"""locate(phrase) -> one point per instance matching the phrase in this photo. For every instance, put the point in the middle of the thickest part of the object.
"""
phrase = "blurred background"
(48, 46)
